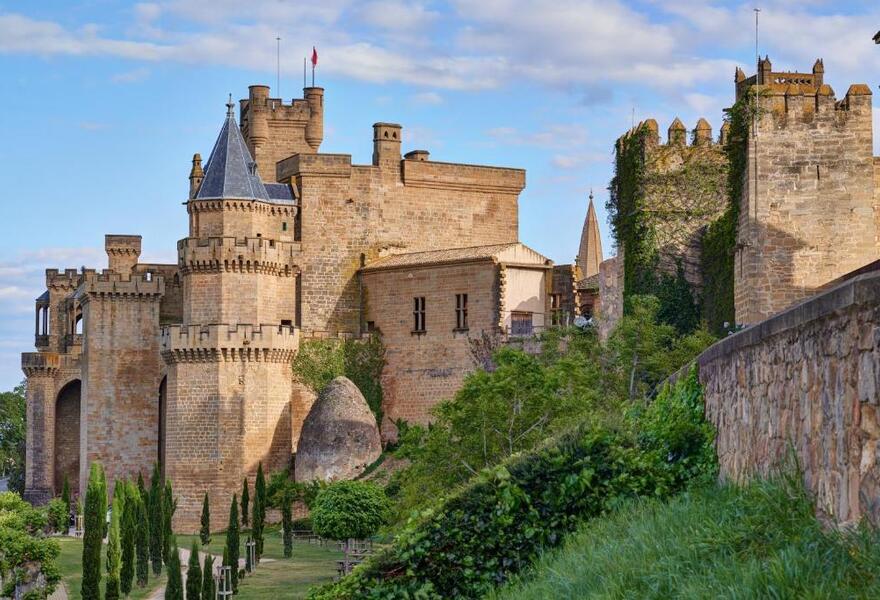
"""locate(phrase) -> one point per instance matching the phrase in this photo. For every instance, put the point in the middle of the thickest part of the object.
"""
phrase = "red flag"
(314, 57)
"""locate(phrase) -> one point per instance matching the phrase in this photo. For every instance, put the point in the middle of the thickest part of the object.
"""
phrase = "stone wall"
(807, 380)
(812, 215)
(610, 305)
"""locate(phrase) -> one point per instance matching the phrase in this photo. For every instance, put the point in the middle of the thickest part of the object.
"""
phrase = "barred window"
(419, 314)
(521, 323)
(461, 311)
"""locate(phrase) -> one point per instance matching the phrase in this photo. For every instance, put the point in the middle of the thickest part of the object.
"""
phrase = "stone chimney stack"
(386, 143)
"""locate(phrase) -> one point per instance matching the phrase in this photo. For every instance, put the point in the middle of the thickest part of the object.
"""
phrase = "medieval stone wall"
(610, 305)
(424, 368)
(805, 381)
(812, 215)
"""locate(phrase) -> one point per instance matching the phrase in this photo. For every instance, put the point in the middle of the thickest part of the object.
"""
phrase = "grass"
(278, 577)
(70, 565)
(758, 541)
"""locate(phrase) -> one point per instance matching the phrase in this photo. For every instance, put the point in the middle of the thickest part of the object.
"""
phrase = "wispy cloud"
(133, 76)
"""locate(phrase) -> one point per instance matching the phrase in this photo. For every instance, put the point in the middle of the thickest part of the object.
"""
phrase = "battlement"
(242, 255)
(69, 279)
(223, 342)
(111, 283)
(40, 364)
(676, 136)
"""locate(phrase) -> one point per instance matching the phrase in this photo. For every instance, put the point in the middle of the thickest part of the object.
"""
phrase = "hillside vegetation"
(758, 541)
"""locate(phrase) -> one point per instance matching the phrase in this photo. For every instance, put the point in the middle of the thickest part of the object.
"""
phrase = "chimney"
(386, 143)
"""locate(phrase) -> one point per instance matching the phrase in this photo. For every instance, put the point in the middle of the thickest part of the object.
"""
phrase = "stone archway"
(67, 407)
(160, 451)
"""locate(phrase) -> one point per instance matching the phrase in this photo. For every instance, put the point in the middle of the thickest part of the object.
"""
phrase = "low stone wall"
(805, 380)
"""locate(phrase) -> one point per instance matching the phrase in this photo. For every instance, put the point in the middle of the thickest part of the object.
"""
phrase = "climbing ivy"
(320, 360)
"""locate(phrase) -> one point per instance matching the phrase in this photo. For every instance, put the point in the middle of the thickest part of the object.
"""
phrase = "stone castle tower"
(809, 211)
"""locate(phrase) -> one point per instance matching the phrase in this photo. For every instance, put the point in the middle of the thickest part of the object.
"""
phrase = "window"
(520, 323)
(419, 314)
(461, 322)
(284, 226)
(556, 309)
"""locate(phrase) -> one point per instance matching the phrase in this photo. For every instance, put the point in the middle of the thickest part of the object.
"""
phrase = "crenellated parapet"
(112, 284)
(247, 255)
(61, 281)
(40, 364)
(222, 343)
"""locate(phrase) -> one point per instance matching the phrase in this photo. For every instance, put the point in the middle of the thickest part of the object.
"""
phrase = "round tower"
(315, 126)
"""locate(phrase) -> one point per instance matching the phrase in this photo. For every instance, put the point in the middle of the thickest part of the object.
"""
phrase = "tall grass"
(758, 541)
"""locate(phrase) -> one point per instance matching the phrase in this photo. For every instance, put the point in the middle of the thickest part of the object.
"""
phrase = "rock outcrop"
(339, 437)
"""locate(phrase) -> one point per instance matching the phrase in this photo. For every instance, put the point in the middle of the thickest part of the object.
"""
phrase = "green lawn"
(70, 565)
(277, 576)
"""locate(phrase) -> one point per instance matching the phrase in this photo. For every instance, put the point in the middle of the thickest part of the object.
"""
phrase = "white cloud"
(395, 15)
(574, 161)
(561, 135)
(432, 98)
(133, 76)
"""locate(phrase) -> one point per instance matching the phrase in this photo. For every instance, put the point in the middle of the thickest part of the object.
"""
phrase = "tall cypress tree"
(141, 487)
(245, 500)
(174, 588)
(194, 574)
(259, 520)
(205, 533)
(65, 497)
(156, 520)
(142, 541)
(232, 542)
(105, 524)
(96, 504)
(114, 549)
(208, 590)
(129, 534)
(169, 505)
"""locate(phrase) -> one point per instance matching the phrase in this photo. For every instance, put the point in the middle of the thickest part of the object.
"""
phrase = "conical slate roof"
(231, 172)
(590, 251)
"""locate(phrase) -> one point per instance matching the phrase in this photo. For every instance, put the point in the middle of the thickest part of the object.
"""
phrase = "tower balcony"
(222, 342)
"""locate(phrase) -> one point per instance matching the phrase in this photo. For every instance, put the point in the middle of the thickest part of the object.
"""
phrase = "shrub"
(22, 543)
(58, 515)
(194, 575)
(497, 524)
(349, 510)
(302, 524)
(208, 591)
(174, 588)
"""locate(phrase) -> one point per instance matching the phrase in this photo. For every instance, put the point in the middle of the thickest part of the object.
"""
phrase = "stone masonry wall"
(812, 216)
(424, 369)
(807, 380)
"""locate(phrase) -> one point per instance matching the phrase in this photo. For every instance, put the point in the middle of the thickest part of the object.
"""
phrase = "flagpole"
(278, 67)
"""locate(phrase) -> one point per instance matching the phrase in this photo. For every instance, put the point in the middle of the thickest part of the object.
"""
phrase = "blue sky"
(106, 101)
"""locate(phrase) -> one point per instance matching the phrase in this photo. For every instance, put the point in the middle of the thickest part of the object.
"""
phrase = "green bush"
(757, 541)
(303, 524)
(349, 510)
(57, 514)
(22, 541)
(494, 527)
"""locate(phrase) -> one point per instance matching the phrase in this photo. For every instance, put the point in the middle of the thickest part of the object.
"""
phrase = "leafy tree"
(232, 542)
(208, 591)
(58, 515)
(157, 520)
(194, 575)
(169, 505)
(259, 517)
(174, 588)
(114, 550)
(130, 513)
(282, 492)
(350, 510)
(245, 501)
(205, 532)
(13, 434)
(95, 509)
(142, 539)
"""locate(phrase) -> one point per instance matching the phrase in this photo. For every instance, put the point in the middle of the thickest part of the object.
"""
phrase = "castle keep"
(188, 364)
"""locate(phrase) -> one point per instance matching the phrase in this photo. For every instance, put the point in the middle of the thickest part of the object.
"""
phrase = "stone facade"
(188, 365)
(805, 380)
(809, 211)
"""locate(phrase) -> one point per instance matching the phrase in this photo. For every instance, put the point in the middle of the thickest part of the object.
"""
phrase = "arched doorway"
(163, 386)
(67, 407)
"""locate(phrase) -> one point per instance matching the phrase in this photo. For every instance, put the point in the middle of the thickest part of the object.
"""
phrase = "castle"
(189, 364)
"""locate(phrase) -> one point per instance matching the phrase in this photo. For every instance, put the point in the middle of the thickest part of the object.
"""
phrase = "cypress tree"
(248, 566)
(129, 533)
(174, 588)
(96, 504)
(142, 541)
(259, 515)
(156, 521)
(140, 486)
(194, 574)
(65, 497)
(105, 524)
(287, 527)
(167, 513)
(114, 550)
(232, 542)
(245, 500)
(208, 590)
(205, 533)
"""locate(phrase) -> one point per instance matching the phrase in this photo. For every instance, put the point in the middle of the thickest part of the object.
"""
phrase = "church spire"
(590, 250)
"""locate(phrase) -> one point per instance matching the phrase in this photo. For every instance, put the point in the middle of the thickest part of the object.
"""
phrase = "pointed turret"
(590, 251)
(230, 171)
(196, 175)
(677, 133)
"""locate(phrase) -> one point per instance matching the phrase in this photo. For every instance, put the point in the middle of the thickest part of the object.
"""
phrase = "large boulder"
(339, 437)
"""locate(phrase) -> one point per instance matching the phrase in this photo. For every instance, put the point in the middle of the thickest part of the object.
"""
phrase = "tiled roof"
(231, 172)
(280, 193)
(450, 255)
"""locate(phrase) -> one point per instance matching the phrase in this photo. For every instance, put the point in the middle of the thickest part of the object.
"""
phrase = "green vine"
(318, 361)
